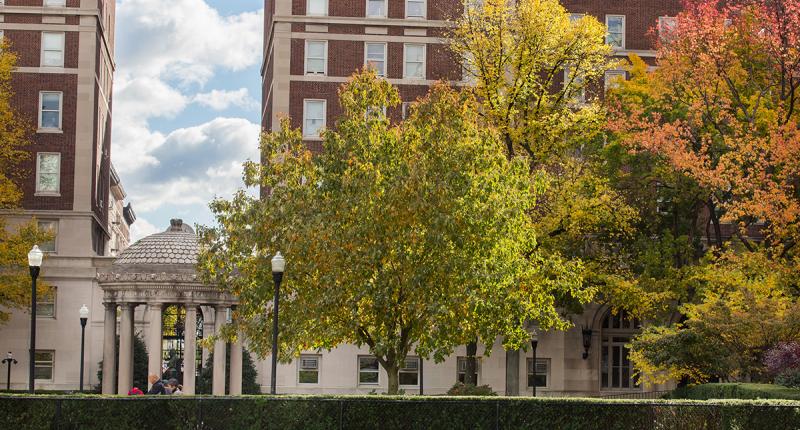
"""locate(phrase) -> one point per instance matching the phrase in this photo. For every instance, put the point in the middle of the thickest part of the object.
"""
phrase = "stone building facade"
(62, 87)
(325, 41)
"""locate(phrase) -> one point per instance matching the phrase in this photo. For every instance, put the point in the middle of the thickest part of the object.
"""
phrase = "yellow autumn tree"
(14, 242)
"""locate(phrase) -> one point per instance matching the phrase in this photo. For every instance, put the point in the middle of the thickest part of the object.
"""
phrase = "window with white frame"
(414, 61)
(616, 369)
(575, 17)
(574, 86)
(368, 370)
(50, 110)
(405, 110)
(612, 79)
(415, 9)
(376, 8)
(49, 227)
(308, 369)
(317, 7)
(666, 27)
(46, 303)
(408, 375)
(538, 372)
(616, 31)
(375, 111)
(61, 3)
(48, 172)
(316, 57)
(313, 117)
(44, 361)
(52, 49)
(375, 57)
(461, 369)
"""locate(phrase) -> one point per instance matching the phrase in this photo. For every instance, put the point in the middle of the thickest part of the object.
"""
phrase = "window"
(50, 110)
(313, 117)
(616, 31)
(48, 172)
(367, 370)
(414, 61)
(43, 365)
(409, 373)
(538, 374)
(575, 17)
(51, 227)
(666, 27)
(376, 8)
(375, 111)
(415, 9)
(406, 110)
(612, 79)
(52, 49)
(316, 57)
(317, 7)
(461, 369)
(46, 304)
(616, 370)
(61, 3)
(308, 369)
(375, 57)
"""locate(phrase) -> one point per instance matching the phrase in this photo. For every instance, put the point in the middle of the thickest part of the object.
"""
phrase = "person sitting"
(135, 391)
(157, 386)
(174, 387)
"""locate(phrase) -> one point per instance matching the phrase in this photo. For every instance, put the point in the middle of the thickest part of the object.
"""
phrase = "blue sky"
(186, 104)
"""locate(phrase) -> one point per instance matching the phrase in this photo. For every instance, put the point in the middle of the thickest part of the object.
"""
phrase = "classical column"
(512, 373)
(154, 341)
(218, 382)
(109, 348)
(236, 367)
(126, 349)
(189, 348)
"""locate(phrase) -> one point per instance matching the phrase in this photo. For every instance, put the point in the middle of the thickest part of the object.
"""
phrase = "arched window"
(616, 371)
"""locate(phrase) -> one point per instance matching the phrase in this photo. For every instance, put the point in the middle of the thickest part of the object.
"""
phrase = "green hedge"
(736, 391)
(388, 413)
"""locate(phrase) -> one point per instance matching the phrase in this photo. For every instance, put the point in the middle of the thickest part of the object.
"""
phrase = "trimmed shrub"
(388, 413)
(735, 391)
(462, 389)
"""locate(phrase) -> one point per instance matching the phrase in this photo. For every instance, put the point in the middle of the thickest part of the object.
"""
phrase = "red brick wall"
(640, 15)
(26, 100)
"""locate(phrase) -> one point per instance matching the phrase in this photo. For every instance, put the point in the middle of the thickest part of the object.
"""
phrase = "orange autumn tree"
(721, 109)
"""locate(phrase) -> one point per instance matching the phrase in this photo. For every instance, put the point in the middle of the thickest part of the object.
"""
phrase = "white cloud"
(166, 52)
(198, 163)
(221, 100)
(142, 228)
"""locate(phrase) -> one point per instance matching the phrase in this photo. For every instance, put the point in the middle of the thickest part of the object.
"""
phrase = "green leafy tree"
(249, 374)
(140, 363)
(415, 236)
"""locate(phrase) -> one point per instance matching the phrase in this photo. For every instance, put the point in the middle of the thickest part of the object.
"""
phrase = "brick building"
(310, 48)
(62, 87)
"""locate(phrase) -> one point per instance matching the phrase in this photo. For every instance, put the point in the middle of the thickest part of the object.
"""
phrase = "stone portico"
(156, 272)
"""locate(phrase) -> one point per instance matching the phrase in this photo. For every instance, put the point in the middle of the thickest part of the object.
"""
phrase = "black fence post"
(341, 414)
(57, 416)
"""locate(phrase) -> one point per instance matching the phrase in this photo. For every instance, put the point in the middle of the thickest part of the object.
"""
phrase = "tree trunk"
(470, 375)
(392, 369)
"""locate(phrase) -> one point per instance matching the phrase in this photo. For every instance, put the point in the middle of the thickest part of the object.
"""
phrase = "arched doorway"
(616, 370)
(173, 320)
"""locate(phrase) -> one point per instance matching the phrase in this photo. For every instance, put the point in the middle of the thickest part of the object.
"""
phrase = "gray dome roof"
(177, 246)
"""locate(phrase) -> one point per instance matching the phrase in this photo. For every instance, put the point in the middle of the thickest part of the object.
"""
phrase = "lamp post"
(84, 313)
(278, 266)
(534, 344)
(9, 360)
(34, 264)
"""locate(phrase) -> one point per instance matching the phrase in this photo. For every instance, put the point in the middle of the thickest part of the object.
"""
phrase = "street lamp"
(278, 266)
(534, 344)
(84, 313)
(34, 264)
(9, 360)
